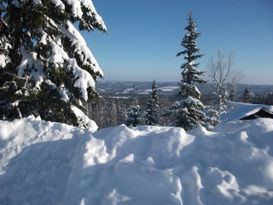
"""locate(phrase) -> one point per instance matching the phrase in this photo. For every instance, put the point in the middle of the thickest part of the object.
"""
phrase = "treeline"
(266, 99)
(110, 111)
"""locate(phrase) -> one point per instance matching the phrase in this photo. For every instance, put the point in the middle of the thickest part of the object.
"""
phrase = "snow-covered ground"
(169, 88)
(45, 163)
(236, 110)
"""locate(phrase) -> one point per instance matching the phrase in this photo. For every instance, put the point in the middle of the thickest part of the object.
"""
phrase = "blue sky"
(144, 36)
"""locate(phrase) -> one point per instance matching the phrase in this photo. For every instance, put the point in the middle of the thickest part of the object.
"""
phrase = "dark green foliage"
(19, 99)
(152, 108)
(189, 113)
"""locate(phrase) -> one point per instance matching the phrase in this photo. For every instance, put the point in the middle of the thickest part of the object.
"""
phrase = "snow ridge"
(52, 163)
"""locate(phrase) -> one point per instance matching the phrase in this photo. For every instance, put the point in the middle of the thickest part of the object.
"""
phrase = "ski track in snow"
(44, 163)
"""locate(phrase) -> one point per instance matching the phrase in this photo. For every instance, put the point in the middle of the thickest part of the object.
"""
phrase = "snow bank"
(45, 163)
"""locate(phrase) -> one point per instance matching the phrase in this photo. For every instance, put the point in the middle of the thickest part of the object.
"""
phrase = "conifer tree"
(46, 68)
(190, 110)
(152, 108)
(133, 115)
(246, 96)
(231, 95)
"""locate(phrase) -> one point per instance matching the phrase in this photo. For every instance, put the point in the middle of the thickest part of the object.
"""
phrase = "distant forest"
(111, 110)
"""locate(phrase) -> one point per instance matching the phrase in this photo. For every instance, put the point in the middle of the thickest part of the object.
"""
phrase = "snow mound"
(45, 163)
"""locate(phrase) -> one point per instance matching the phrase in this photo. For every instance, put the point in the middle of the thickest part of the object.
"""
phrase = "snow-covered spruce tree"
(212, 117)
(46, 68)
(152, 108)
(133, 115)
(189, 109)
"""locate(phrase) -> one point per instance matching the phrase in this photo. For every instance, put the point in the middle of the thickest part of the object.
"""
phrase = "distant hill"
(130, 88)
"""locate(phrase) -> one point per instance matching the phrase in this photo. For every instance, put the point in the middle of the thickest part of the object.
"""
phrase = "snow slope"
(44, 163)
(237, 110)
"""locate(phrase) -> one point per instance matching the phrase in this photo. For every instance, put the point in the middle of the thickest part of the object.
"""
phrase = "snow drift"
(44, 163)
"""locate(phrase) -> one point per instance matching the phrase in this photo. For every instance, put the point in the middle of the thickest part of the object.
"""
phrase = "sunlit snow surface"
(44, 163)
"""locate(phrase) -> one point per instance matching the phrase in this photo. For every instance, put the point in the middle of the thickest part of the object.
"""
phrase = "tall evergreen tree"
(46, 68)
(152, 108)
(190, 110)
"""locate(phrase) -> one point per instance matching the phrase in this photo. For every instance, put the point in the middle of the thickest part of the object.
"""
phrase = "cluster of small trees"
(256, 98)
(110, 111)
(189, 111)
(266, 99)
(151, 113)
